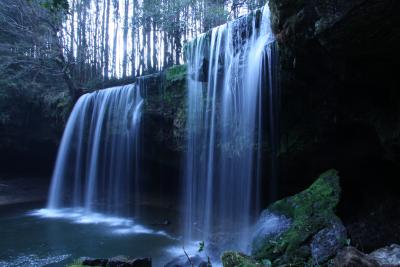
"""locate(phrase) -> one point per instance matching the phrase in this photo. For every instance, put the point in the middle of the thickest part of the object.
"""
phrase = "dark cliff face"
(30, 130)
(341, 106)
(163, 130)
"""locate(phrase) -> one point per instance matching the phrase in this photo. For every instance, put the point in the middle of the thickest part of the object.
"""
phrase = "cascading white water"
(97, 163)
(229, 76)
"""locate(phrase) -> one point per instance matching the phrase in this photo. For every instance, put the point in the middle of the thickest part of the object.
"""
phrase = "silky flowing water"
(230, 73)
(97, 166)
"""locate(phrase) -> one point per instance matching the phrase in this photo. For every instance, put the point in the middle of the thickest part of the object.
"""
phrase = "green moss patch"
(310, 211)
(237, 259)
(176, 73)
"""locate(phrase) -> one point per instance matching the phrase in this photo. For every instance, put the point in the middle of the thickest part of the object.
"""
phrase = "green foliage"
(53, 5)
(56, 5)
(77, 263)
(176, 73)
(201, 249)
(266, 262)
(201, 246)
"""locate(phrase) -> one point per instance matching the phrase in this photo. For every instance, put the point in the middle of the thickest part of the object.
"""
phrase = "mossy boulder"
(313, 225)
(237, 259)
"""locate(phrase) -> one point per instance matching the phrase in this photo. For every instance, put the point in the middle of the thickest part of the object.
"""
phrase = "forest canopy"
(53, 50)
(83, 41)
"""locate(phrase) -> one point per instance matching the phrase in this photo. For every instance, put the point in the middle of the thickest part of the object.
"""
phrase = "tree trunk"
(125, 39)
(84, 42)
(106, 43)
(116, 25)
(155, 44)
(133, 34)
(96, 36)
(148, 44)
(72, 38)
(103, 31)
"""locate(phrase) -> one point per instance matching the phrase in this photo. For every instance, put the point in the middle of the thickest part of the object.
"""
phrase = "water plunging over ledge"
(230, 76)
(97, 167)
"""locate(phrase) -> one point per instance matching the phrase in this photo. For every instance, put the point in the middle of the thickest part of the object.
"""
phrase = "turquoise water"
(34, 237)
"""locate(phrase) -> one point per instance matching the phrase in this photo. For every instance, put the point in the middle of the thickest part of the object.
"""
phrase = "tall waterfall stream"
(225, 117)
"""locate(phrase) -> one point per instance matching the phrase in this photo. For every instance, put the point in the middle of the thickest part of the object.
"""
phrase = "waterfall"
(97, 167)
(230, 76)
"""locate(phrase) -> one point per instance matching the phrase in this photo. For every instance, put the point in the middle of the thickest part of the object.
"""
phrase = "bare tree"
(31, 43)
(116, 28)
(134, 37)
(106, 42)
(125, 39)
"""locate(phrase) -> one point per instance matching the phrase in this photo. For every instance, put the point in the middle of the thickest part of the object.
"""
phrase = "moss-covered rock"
(237, 259)
(164, 111)
(309, 212)
(176, 73)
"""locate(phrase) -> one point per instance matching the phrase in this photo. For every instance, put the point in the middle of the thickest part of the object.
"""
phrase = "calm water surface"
(33, 237)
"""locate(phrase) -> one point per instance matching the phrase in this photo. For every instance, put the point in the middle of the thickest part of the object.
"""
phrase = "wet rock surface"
(326, 243)
(118, 262)
(183, 261)
(269, 227)
(389, 256)
(351, 257)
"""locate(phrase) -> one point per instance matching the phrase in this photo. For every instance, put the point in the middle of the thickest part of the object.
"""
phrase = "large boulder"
(352, 257)
(389, 255)
(327, 242)
(309, 230)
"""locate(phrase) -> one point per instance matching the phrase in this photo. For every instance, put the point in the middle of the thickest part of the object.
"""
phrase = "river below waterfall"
(31, 236)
